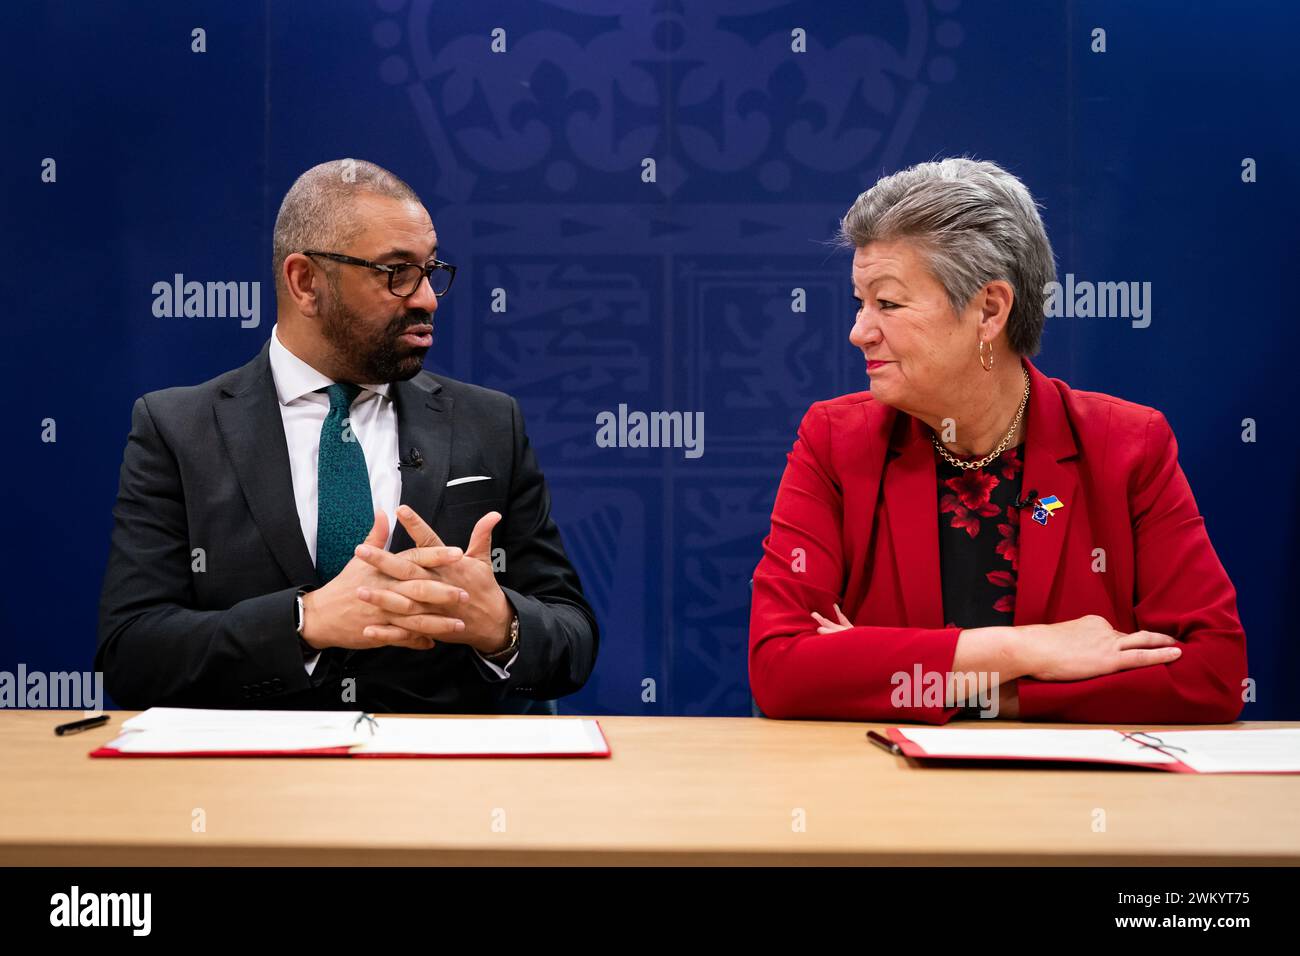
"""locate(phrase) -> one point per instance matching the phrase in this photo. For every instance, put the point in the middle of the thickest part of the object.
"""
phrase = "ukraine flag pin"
(1045, 508)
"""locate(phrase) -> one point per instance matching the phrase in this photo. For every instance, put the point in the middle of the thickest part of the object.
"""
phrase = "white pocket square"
(466, 481)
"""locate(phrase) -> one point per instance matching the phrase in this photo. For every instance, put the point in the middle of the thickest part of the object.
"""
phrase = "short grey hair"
(318, 210)
(976, 222)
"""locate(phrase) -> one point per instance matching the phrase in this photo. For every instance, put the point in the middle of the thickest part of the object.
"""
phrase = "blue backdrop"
(668, 295)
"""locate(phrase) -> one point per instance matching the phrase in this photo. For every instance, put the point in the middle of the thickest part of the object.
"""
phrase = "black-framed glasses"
(403, 277)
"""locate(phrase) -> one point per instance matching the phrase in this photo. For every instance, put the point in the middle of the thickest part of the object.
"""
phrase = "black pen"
(880, 740)
(77, 726)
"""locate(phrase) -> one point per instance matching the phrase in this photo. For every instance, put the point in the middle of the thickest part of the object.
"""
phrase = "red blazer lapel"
(1051, 468)
(864, 469)
(911, 503)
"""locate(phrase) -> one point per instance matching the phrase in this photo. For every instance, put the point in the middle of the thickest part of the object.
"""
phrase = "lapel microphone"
(413, 459)
(1027, 501)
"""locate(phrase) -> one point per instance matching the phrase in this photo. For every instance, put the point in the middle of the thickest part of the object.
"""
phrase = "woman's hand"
(1088, 647)
(829, 627)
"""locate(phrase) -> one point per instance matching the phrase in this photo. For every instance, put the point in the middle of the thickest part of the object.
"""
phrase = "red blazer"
(859, 498)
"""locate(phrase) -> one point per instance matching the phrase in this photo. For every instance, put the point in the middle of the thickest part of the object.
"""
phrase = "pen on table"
(880, 740)
(77, 726)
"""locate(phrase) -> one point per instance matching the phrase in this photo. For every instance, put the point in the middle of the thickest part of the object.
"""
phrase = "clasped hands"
(414, 599)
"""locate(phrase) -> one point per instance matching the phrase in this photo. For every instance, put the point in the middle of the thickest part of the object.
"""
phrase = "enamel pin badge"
(1046, 506)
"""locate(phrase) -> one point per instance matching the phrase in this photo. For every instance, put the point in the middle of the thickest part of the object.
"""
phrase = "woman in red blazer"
(969, 531)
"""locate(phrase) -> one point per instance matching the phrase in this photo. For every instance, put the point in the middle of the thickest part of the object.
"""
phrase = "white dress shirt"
(373, 420)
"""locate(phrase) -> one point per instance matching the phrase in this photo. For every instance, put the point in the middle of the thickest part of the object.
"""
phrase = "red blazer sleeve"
(794, 672)
(1181, 590)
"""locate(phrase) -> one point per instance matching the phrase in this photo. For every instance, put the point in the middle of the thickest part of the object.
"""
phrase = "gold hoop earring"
(989, 367)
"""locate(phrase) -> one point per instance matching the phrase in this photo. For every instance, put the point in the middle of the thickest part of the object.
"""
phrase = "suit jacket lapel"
(912, 505)
(248, 416)
(1050, 469)
(423, 423)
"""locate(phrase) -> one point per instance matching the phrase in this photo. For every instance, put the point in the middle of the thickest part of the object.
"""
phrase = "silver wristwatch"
(510, 648)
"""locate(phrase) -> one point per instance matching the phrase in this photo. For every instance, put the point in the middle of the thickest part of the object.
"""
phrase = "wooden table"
(676, 790)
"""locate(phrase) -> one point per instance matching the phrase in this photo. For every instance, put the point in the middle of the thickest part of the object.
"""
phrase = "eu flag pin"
(1045, 508)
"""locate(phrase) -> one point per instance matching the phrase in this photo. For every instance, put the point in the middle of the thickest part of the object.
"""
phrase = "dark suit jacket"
(207, 467)
(858, 507)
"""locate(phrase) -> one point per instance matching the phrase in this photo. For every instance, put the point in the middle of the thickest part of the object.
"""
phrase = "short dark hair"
(318, 210)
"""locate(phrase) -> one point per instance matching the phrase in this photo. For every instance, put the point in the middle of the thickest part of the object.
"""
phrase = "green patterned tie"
(344, 511)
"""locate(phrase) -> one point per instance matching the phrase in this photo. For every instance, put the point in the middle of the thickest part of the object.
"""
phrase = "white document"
(233, 741)
(164, 730)
(1108, 745)
(196, 719)
(186, 730)
(469, 735)
(1205, 751)
(1236, 751)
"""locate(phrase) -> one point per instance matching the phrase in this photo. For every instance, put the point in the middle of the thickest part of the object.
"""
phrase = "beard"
(373, 356)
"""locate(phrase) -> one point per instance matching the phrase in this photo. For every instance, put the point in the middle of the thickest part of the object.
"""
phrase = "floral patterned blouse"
(979, 533)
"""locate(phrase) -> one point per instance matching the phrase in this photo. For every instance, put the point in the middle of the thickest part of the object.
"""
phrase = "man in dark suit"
(252, 562)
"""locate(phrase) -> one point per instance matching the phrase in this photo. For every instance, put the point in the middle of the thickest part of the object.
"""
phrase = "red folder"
(911, 748)
(600, 750)
(336, 752)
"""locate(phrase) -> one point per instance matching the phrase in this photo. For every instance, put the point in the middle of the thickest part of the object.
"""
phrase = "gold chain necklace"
(1002, 445)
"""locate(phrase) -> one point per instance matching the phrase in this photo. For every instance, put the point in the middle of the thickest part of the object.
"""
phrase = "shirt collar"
(294, 378)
